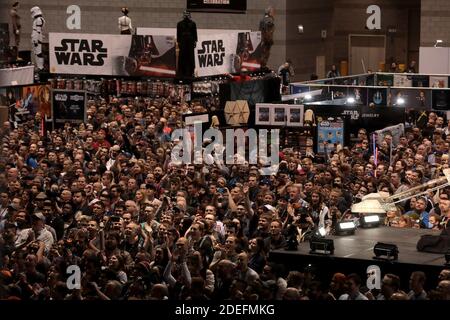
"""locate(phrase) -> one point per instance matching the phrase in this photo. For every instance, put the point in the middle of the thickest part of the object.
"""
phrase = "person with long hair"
(117, 265)
(125, 26)
(257, 259)
(318, 211)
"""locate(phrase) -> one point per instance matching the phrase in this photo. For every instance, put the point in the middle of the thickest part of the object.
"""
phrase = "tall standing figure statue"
(187, 41)
(37, 36)
(267, 28)
(125, 26)
(15, 21)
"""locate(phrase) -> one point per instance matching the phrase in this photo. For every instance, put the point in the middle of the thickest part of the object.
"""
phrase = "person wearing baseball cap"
(38, 232)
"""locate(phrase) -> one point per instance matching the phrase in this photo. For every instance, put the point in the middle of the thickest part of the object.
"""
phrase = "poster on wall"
(377, 96)
(402, 80)
(338, 92)
(441, 100)
(421, 81)
(279, 115)
(226, 6)
(419, 99)
(360, 94)
(295, 115)
(118, 55)
(330, 134)
(438, 82)
(227, 53)
(68, 107)
(37, 99)
(385, 80)
(9, 96)
(262, 115)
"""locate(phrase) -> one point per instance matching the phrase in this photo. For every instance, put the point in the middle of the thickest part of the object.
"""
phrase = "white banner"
(122, 55)
(227, 53)
(16, 76)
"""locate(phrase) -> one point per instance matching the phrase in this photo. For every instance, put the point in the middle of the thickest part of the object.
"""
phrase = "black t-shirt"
(35, 277)
(284, 73)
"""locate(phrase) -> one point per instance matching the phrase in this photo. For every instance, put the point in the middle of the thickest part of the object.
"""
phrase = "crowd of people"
(105, 196)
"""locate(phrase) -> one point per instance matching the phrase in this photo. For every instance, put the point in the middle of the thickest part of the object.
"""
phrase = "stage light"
(400, 101)
(300, 29)
(385, 251)
(321, 246)
(322, 231)
(345, 228)
(351, 100)
(369, 221)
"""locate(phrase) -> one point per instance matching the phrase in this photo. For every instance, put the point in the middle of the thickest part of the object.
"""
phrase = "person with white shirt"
(353, 283)
(125, 26)
(38, 231)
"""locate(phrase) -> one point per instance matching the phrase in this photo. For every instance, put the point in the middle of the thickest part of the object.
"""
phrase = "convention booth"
(84, 67)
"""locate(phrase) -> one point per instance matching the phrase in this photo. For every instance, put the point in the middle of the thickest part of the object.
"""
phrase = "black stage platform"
(354, 253)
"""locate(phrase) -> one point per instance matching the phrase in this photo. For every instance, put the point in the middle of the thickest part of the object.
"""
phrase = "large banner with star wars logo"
(227, 53)
(117, 55)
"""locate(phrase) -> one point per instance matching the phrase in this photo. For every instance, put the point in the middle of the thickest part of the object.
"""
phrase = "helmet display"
(35, 11)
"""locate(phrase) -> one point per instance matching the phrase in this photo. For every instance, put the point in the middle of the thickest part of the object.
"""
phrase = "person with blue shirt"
(31, 160)
(424, 216)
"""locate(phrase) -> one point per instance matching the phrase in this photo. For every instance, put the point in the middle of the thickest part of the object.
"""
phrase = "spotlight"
(370, 221)
(300, 29)
(385, 251)
(321, 232)
(345, 228)
(351, 100)
(308, 97)
(321, 246)
(437, 43)
(400, 101)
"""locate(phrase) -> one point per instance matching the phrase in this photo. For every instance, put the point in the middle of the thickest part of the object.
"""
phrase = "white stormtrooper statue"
(37, 36)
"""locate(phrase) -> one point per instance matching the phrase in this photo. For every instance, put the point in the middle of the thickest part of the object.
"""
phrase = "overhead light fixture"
(437, 43)
(300, 29)
(351, 100)
(370, 221)
(321, 246)
(400, 101)
(385, 251)
(345, 228)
